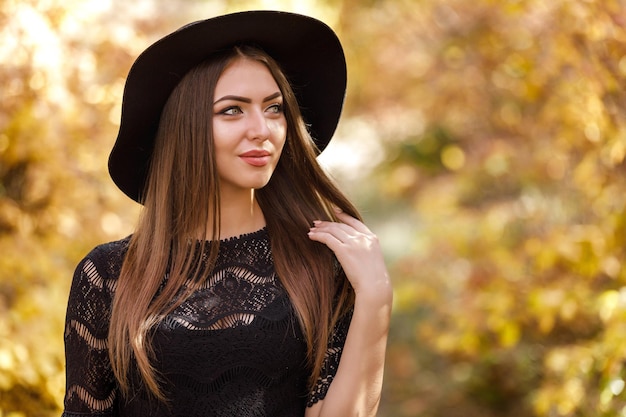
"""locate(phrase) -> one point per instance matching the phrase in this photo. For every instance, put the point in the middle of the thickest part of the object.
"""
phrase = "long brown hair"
(182, 164)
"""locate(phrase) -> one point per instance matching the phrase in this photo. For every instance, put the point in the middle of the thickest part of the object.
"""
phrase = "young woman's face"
(249, 126)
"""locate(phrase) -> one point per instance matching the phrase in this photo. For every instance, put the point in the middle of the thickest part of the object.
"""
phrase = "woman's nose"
(258, 128)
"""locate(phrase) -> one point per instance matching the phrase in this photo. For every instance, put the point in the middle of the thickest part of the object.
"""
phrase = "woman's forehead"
(246, 76)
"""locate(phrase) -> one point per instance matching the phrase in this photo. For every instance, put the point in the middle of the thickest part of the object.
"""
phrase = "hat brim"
(307, 50)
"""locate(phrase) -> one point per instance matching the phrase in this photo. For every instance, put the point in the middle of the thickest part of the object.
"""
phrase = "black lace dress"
(234, 348)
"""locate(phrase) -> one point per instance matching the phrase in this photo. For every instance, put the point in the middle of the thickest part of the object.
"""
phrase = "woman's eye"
(232, 111)
(275, 108)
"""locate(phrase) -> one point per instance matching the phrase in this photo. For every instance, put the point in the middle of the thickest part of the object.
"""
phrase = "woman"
(250, 286)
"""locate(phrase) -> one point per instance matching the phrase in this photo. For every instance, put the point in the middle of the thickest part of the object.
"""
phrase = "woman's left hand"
(358, 251)
(357, 385)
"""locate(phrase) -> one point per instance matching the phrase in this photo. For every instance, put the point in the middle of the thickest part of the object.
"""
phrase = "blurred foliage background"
(483, 139)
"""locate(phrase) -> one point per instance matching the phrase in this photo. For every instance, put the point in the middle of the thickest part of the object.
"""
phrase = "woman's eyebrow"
(272, 96)
(234, 98)
(247, 100)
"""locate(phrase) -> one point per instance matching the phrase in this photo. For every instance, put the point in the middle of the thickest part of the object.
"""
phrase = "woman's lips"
(256, 158)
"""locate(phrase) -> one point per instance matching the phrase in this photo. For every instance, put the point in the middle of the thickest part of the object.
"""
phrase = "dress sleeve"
(331, 360)
(91, 388)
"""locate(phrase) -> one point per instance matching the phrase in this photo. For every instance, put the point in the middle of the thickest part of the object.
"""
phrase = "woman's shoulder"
(114, 248)
(106, 258)
(95, 280)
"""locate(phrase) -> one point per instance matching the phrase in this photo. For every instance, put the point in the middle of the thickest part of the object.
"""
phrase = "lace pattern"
(234, 347)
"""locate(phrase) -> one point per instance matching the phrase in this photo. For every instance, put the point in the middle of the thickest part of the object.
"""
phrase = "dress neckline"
(245, 236)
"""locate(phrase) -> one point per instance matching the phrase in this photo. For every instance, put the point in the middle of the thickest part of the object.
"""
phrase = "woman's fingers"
(341, 231)
(351, 221)
(356, 249)
(327, 236)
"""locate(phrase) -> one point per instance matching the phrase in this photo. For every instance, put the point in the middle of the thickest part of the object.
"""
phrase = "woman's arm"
(90, 384)
(356, 388)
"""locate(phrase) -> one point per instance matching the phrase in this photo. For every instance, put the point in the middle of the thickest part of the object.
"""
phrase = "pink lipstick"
(257, 158)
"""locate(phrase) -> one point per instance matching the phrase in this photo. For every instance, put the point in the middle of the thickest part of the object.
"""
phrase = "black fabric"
(234, 348)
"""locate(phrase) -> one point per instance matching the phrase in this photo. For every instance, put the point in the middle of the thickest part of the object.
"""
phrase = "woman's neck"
(240, 214)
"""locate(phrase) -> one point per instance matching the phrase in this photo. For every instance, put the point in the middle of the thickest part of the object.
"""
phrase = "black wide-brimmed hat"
(307, 50)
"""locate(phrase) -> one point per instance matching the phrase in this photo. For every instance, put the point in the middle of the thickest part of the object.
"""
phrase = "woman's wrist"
(378, 294)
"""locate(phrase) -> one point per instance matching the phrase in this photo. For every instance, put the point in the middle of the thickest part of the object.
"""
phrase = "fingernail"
(316, 222)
